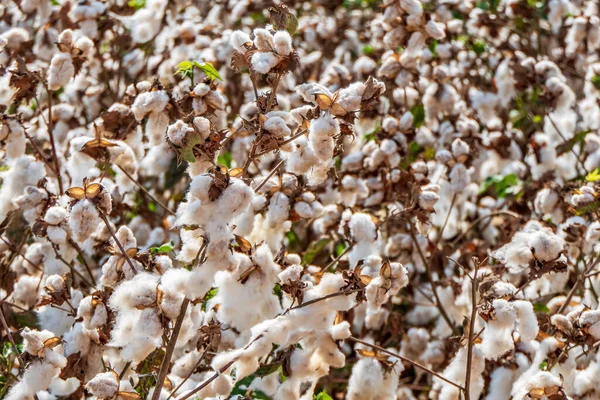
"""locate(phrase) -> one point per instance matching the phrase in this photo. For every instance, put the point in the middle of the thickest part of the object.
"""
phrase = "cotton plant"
(299, 201)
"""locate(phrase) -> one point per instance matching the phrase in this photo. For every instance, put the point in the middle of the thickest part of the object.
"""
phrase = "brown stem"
(143, 189)
(408, 360)
(189, 375)
(164, 366)
(112, 233)
(52, 144)
(83, 261)
(483, 217)
(578, 282)
(313, 301)
(346, 250)
(438, 302)
(9, 334)
(474, 284)
(439, 238)
(273, 171)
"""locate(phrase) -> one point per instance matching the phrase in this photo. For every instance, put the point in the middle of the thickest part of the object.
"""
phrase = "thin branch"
(474, 284)
(313, 301)
(408, 360)
(439, 238)
(579, 281)
(164, 366)
(143, 189)
(577, 157)
(112, 233)
(189, 375)
(52, 143)
(438, 302)
(484, 217)
(9, 334)
(273, 171)
(346, 250)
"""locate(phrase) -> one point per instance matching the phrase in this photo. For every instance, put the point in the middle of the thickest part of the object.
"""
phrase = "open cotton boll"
(136, 293)
(527, 324)
(283, 43)
(179, 132)
(149, 102)
(61, 71)
(362, 227)
(350, 97)
(427, 200)
(497, 337)
(37, 377)
(370, 382)
(321, 133)
(277, 126)
(104, 385)
(456, 372)
(263, 62)
(238, 39)
(263, 40)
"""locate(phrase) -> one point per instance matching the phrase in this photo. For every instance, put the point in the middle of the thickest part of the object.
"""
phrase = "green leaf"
(185, 68)
(165, 248)
(208, 69)
(323, 396)
(418, 113)
(543, 365)
(368, 49)
(292, 240)
(479, 47)
(241, 389)
(278, 292)
(339, 249)
(225, 159)
(503, 185)
(429, 153)
(588, 208)
(433, 47)
(137, 4)
(540, 308)
(54, 2)
(314, 249)
(596, 81)
(593, 176)
(151, 206)
(209, 295)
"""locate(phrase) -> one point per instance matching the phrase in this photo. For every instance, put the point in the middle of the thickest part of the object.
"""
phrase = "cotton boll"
(321, 133)
(263, 40)
(136, 293)
(179, 132)
(263, 62)
(277, 126)
(427, 200)
(283, 43)
(527, 324)
(104, 385)
(25, 290)
(61, 71)
(149, 102)
(84, 220)
(362, 227)
(238, 39)
(435, 30)
(497, 337)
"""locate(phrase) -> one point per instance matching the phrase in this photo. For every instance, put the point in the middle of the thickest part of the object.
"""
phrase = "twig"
(439, 238)
(346, 250)
(9, 334)
(288, 140)
(189, 375)
(408, 360)
(313, 301)
(580, 279)
(431, 281)
(474, 284)
(483, 217)
(143, 189)
(273, 171)
(85, 264)
(112, 233)
(164, 366)
(565, 140)
(52, 144)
